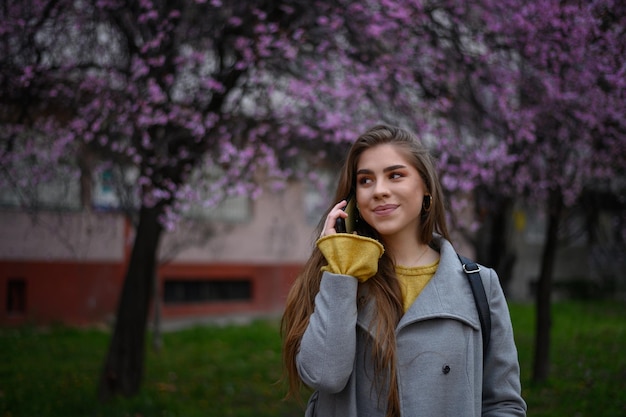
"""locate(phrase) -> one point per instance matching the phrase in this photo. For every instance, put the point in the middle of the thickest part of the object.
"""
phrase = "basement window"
(16, 296)
(182, 291)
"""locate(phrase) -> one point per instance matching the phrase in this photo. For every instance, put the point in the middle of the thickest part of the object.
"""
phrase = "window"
(227, 205)
(39, 178)
(317, 194)
(61, 191)
(104, 195)
(234, 209)
(203, 291)
(16, 296)
(115, 188)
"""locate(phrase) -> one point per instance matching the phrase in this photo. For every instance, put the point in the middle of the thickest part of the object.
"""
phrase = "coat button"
(445, 369)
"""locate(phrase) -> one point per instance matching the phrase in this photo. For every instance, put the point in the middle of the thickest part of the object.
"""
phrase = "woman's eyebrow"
(365, 171)
(394, 167)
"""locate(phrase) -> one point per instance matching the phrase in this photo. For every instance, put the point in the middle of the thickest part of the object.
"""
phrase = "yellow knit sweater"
(413, 280)
(358, 256)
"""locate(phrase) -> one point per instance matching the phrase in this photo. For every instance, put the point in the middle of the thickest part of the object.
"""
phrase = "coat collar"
(447, 295)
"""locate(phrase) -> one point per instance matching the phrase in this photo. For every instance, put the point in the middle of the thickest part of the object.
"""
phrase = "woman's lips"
(385, 210)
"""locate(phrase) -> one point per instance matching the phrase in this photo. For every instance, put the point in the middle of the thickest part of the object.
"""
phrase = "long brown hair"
(383, 287)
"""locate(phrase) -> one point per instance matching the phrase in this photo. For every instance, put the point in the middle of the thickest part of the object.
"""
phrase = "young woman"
(382, 321)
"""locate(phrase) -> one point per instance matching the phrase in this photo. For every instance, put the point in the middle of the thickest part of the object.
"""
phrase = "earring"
(427, 203)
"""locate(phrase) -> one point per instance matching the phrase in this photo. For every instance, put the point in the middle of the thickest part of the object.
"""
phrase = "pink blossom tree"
(513, 95)
(170, 89)
(549, 107)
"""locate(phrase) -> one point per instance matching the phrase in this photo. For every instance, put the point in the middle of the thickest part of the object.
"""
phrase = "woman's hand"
(335, 213)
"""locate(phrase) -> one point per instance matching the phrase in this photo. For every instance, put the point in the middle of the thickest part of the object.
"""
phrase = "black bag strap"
(472, 269)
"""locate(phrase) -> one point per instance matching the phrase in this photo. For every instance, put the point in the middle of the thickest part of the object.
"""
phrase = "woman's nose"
(381, 189)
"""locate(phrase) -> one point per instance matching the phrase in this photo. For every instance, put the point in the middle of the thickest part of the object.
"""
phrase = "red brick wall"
(270, 284)
(87, 293)
(64, 292)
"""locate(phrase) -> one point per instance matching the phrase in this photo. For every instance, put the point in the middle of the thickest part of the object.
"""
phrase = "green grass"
(202, 371)
(233, 370)
(588, 360)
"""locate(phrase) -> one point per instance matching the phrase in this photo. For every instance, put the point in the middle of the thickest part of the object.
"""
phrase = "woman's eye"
(395, 175)
(364, 180)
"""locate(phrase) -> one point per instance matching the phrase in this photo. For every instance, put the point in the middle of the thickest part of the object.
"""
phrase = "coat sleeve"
(326, 357)
(501, 377)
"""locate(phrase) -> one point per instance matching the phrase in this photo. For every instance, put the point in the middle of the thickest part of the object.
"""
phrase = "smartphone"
(348, 224)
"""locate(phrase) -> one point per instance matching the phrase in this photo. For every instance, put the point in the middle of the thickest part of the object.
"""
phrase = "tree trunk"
(493, 246)
(157, 336)
(543, 319)
(501, 256)
(123, 367)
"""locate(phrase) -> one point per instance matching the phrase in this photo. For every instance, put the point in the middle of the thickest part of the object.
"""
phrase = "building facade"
(68, 266)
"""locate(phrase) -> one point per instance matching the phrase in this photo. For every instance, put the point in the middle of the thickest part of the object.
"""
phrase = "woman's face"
(389, 192)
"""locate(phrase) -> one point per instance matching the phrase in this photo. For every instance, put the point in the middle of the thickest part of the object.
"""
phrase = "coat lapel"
(447, 295)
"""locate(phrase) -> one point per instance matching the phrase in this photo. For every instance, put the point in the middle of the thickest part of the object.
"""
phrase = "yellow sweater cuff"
(350, 254)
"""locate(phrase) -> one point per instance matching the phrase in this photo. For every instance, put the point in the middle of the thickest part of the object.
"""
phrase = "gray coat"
(439, 350)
